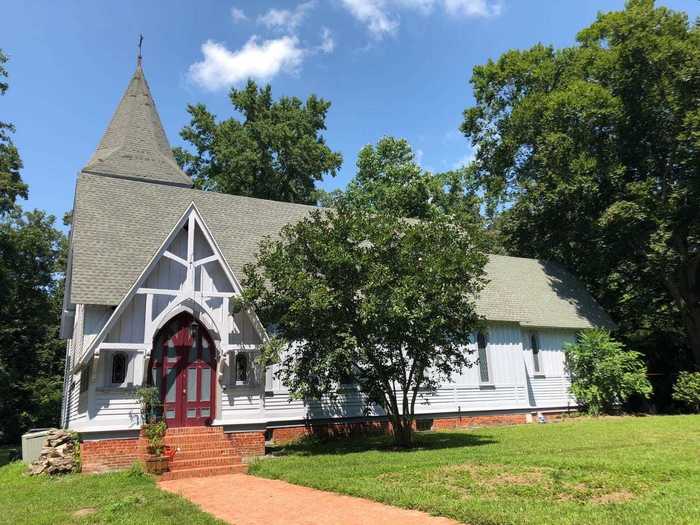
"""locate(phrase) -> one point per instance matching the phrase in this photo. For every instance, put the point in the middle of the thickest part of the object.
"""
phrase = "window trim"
(489, 377)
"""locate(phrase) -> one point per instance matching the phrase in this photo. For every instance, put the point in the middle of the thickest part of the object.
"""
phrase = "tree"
(388, 177)
(31, 354)
(11, 185)
(594, 153)
(603, 374)
(276, 152)
(368, 297)
(31, 290)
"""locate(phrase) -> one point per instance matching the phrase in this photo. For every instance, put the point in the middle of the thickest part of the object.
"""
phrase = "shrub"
(687, 390)
(604, 374)
(155, 432)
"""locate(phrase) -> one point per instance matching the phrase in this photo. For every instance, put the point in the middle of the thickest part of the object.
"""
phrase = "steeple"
(134, 145)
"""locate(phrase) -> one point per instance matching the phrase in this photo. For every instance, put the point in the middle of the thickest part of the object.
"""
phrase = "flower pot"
(156, 464)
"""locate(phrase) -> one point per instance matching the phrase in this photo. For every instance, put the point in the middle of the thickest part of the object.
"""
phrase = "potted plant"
(153, 429)
(156, 461)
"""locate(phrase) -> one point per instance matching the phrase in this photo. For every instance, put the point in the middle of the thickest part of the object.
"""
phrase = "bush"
(155, 432)
(603, 374)
(687, 390)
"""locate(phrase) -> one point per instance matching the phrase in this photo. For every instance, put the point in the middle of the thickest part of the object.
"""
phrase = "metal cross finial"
(140, 43)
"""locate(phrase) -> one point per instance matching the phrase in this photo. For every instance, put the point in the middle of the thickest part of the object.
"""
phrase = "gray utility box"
(32, 443)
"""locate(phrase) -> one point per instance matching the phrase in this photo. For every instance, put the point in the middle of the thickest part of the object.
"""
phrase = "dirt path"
(246, 500)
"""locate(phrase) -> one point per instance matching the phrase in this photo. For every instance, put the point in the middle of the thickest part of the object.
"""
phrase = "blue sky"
(389, 67)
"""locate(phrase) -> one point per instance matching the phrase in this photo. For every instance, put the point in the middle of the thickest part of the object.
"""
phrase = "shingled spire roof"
(134, 145)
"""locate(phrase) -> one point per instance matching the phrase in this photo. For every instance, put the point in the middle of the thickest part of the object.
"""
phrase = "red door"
(184, 368)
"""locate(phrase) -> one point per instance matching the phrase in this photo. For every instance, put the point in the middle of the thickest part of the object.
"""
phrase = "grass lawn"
(87, 499)
(636, 470)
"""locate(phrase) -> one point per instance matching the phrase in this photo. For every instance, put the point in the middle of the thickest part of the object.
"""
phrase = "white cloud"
(238, 15)
(327, 42)
(285, 19)
(472, 8)
(222, 67)
(381, 16)
(374, 14)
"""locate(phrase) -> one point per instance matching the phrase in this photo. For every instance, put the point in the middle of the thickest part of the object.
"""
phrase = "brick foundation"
(109, 454)
(328, 430)
(478, 421)
(331, 430)
(248, 444)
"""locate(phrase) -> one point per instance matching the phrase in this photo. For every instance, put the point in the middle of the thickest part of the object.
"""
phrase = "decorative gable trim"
(184, 298)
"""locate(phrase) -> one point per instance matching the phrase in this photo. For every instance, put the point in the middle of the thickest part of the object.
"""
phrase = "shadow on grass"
(314, 446)
(8, 454)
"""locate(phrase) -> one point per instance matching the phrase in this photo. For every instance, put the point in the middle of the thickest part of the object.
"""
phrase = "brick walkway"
(246, 500)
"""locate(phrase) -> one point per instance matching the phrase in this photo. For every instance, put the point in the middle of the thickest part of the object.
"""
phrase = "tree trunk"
(403, 431)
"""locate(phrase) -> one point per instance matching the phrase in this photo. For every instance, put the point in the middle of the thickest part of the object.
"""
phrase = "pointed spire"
(134, 145)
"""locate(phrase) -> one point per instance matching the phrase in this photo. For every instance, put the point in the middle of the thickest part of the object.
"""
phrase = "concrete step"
(185, 464)
(205, 472)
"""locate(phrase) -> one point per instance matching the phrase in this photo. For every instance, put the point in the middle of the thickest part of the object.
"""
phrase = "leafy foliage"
(11, 185)
(277, 152)
(155, 433)
(31, 290)
(687, 390)
(364, 296)
(149, 399)
(388, 177)
(591, 154)
(604, 374)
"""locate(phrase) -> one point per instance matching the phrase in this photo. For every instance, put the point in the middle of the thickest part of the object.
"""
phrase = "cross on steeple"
(140, 43)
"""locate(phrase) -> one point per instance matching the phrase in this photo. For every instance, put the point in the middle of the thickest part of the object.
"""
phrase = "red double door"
(184, 367)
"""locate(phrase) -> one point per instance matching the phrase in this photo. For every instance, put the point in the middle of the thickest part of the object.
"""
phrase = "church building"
(154, 266)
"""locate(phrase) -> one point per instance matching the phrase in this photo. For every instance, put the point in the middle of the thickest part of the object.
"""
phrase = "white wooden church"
(154, 264)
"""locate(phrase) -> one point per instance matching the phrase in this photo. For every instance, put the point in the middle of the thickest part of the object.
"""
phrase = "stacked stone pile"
(58, 456)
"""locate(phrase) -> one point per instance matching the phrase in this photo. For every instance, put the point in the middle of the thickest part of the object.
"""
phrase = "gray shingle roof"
(135, 145)
(119, 225)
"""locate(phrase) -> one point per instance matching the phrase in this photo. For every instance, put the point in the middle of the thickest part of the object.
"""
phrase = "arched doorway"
(183, 367)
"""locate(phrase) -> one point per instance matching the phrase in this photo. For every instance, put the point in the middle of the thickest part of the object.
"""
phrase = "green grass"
(636, 470)
(107, 498)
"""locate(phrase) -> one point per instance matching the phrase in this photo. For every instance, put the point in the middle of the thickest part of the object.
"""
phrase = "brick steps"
(206, 453)
(201, 452)
(183, 464)
(205, 472)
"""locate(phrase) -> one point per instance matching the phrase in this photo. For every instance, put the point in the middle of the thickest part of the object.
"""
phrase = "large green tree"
(11, 185)
(277, 151)
(389, 177)
(593, 151)
(31, 355)
(364, 296)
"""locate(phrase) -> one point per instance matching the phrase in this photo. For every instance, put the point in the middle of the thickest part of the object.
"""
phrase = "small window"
(241, 370)
(85, 377)
(482, 344)
(119, 368)
(535, 346)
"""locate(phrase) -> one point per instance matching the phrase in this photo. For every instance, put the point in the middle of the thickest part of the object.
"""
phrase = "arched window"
(241, 368)
(535, 345)
(118, 368)
(481, 344)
